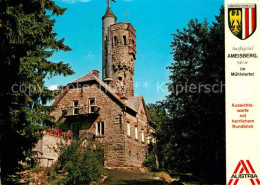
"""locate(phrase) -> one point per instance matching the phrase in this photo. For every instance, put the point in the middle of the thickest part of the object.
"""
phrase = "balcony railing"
(85, 110)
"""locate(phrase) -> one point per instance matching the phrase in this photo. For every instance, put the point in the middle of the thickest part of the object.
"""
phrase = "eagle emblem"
(235, 21)
(242, 20)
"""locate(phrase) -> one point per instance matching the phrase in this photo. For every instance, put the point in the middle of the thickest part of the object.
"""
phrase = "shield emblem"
(242, 20)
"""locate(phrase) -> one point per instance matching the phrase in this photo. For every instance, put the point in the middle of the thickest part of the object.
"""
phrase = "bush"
(79, 163)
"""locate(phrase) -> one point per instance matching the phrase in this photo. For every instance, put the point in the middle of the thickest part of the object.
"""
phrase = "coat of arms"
(242, 20)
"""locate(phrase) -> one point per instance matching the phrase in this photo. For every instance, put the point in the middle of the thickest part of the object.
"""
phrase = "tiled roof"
(109, 12)
(121, 96)
(132, 102)
(85, 78)
(135, 101)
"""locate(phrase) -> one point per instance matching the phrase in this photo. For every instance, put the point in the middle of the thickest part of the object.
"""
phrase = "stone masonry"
(107, 110)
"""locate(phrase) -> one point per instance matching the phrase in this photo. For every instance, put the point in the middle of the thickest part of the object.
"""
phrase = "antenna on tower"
(126, 15)
(108, 3)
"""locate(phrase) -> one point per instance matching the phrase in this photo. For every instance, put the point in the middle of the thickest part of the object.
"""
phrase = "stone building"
(106, 109)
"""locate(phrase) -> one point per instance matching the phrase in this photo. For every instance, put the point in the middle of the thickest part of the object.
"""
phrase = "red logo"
(244, 170)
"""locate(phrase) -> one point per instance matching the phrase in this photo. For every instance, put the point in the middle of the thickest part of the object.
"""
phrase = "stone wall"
(45, 148)
(135, 150)
(110, 113)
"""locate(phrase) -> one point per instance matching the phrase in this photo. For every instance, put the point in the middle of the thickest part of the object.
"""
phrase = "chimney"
(95, 73)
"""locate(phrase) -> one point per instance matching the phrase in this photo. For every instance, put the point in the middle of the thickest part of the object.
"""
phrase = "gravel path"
(131, 178)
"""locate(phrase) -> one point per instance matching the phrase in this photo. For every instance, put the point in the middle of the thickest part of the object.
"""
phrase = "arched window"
(120, 78)
(115, 41)
(133, 43)
(124, 40)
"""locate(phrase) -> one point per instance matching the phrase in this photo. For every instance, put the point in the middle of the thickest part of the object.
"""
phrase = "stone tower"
(119, 54)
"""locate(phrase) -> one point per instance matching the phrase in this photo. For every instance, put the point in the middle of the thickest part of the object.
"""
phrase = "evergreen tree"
(194, 140)
(27, 40)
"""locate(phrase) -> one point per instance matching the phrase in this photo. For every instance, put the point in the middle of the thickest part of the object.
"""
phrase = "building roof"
(109, 12)
(132, 102)
(85, 78)
(135, 101)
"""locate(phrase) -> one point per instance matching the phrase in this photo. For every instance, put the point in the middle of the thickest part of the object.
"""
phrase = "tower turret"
(119, 54)
(107, 20)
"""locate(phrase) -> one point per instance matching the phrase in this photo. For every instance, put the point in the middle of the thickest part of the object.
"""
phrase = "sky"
(154, 21)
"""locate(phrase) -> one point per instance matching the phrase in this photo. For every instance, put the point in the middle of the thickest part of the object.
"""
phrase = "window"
(115, 41)
(136, 132)
(128, 129)
(100, 128)
(76, 111)
(143, 136)
(124, 40)
(92, 109)
(92, 102)
(148, 139)
(75, 104)
(120, 78)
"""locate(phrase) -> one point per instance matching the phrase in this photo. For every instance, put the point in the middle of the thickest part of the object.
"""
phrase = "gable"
(91, 79)
(142, 112)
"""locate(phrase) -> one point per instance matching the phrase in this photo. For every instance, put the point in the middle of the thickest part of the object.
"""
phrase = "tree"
(196, 133)
(160, 122)
(27, 40)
